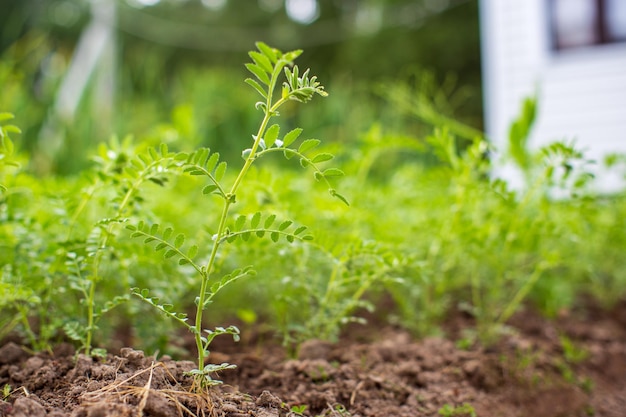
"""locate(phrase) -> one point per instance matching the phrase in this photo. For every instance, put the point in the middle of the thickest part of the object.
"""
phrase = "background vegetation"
(427, 226)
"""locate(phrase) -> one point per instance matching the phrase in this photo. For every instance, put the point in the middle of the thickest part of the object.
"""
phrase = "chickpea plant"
(268, 67)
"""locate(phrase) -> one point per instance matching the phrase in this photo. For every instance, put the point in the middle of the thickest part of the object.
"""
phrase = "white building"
(572, 53)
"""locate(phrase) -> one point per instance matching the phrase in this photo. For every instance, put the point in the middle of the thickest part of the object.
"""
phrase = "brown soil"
(528, 373)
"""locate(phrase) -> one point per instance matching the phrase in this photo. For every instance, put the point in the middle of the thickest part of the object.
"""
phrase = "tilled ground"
(531, 372)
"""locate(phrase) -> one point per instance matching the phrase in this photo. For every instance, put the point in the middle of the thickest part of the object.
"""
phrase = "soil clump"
(571, 366)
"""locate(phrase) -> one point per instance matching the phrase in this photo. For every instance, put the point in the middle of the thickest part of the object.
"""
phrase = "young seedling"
(89, 257)
(268, 66)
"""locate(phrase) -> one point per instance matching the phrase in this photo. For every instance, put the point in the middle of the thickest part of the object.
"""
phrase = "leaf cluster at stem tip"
(267, 67)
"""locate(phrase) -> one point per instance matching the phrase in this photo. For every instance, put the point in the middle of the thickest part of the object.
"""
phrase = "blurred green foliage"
(427, 226)
(178, 55)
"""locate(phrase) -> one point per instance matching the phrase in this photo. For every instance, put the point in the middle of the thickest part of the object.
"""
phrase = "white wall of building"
(581, 91)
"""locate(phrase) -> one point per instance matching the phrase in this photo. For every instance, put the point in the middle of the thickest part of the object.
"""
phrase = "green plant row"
(202, 241)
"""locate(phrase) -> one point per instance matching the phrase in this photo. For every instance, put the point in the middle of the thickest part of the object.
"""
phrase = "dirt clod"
(526, 374)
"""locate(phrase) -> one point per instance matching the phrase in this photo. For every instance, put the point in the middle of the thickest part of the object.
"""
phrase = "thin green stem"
(205, 282)
(246, 166)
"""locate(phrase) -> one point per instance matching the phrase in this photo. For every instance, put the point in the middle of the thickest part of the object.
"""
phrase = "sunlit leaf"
(271, 135)
(307, 145)
(256, 219)
(254, 84)
(291, 137)
(259, 73)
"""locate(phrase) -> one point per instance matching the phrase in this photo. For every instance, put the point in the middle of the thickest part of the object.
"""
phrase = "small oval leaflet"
(333, 172)
(241, 220)
(271, 135)
(291, 136)
(212, 161)
(209, 189)
(259, 73)
(180, 239)
(256, 86)
(322, 157)
(261, 60)
(256, 219)
(270, 220)
(220, 170)
(307, 145)
(284, 225)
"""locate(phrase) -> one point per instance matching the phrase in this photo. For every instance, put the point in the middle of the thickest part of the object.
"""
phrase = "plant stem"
(229, 199)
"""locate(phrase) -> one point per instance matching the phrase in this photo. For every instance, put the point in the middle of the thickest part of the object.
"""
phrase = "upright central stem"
(229, 199)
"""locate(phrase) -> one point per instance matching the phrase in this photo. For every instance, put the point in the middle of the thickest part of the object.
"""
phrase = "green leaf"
(167, 233)
(256, 219)
(284, 225)
(322, 157)
(307, 145)
(180, 239)
(240, 222)
(299, 230)
(209, 189)
(169, 253)
(200, 156)
(333, 172)
(256, 86)
(220, 170)
(339, 196)
(164, 150)
(153, 153)
(154, 229)
(292, 55)
(274, 236)
(11, 128)
(160, 246)
(138, 164)
(212, 161)
(271, 135)
(269, 221)
(144, 159)
(260, 233)
(290, 238)
(259, 73)
(181, 156)
(270, 53)
(262, 61)
(291, 136)
(6, 116)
